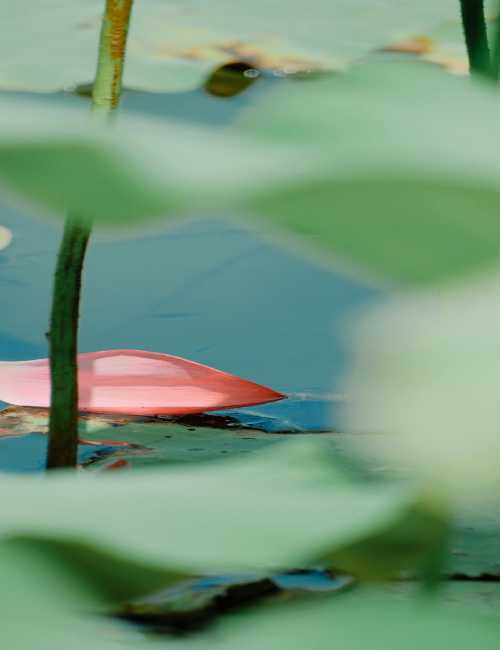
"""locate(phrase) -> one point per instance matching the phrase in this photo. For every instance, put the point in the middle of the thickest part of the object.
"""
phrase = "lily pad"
(174, 45)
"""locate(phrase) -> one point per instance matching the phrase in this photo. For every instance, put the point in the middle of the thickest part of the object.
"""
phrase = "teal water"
(205, 289)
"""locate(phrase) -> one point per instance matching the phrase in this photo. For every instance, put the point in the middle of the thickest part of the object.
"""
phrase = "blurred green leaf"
(46, 605)
(284, 507)
(174, 44)
(399, 171)
(354, 622)
(63, 160)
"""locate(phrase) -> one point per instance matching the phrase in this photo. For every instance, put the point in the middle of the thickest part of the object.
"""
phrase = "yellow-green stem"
(108, 81)
(63, 333)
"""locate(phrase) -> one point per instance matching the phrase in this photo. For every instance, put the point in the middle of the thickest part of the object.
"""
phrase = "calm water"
(205, 289)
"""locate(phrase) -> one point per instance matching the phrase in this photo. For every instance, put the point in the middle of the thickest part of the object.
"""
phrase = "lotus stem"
(476, 37)
(495, 55)
(63, 333)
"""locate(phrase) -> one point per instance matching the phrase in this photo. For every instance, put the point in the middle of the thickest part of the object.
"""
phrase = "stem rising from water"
(476, 37)
(63, 334)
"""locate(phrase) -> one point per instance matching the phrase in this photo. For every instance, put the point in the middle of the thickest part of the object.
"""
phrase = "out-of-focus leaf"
(64, 161)
(46, 605)
(425, 374)
(473, 549)
(406, 177)
(353, 622)
(286, 507)
(174, 44)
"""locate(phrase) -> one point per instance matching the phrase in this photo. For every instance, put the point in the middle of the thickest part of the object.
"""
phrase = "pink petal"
(135, 382)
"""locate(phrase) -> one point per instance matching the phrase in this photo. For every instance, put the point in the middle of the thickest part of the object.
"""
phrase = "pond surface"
(205, 289)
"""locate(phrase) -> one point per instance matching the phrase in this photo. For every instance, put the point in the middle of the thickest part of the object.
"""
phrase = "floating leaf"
(404, 185)
(173, 45)
(150, 441)
(135, 382)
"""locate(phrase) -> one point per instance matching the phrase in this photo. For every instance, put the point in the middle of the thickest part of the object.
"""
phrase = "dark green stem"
(63, 334)
(495, 55)
(476, 37)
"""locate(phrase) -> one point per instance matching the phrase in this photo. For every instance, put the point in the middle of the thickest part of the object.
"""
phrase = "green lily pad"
(172, 46)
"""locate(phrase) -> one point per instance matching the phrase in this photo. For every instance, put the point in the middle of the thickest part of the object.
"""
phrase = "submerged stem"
(63, 334)
(476, 37)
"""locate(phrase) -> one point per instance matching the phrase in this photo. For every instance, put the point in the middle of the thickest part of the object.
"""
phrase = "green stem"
(495, 55)
(108, 81)
(63, 334)
(63, 425)
(476, 37)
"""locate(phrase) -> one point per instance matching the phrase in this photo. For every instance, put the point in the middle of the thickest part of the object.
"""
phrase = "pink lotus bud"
(135, 382)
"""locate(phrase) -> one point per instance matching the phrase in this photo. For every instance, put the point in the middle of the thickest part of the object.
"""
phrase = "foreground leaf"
(173, 46)
(353, 622)
(396, 175)
(63, 161)
(46, 604)
(286, 507)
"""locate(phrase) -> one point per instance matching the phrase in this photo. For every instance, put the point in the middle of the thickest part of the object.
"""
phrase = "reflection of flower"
(135, 382)
(427, 374)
